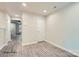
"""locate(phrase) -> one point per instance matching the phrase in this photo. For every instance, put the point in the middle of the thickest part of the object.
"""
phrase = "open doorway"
(16, 30)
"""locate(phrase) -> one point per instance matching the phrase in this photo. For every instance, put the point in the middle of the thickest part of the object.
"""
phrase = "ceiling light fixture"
(44, 11)
(16, 15)
(24, 4)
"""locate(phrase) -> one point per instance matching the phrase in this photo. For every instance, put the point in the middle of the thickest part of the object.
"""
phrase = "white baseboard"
(62, 48)
(54, 45)
(3, 46)
(29, 43)
(32, 42)
(76, 51)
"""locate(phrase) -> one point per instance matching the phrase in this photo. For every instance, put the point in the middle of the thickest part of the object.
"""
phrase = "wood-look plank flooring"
(40, 49)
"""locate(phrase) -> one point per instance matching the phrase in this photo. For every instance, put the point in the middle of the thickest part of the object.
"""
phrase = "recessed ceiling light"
(24, 4)
(16, 15)
(44, 11)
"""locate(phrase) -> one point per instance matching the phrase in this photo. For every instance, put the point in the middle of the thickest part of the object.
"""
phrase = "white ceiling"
(32, 7)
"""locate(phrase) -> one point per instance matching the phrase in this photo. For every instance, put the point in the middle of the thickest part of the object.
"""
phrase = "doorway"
(16, 30)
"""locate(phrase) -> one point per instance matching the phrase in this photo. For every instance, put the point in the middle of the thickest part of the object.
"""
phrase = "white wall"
(63, 27)
(33, 28)
(8, 33)
(4, 29)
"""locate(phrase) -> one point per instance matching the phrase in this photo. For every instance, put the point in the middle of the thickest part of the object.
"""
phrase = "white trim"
(76, 51)
(29, 43)
(23, 43)
(3, 46)
(62, 48)
(70, 51)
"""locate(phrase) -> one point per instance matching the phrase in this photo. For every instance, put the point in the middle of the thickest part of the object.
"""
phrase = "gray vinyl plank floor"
(40, 49)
